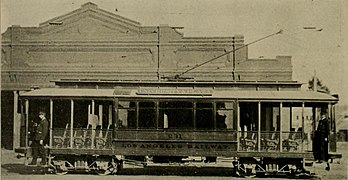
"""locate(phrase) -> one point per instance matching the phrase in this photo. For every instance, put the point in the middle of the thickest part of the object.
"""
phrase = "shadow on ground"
(156, 171)
(21, 169)
(150, 171)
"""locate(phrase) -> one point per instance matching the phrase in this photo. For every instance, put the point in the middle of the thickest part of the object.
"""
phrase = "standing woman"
(321, 138)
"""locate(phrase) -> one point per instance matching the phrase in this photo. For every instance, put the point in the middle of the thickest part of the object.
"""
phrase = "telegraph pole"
(315, 81)
(158, 53)
(233, 58)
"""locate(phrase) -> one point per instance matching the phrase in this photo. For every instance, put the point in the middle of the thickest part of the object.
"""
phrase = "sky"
(322, 50)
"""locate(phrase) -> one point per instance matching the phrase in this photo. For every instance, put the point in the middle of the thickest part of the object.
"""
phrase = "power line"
(304, 64)
(228, 52)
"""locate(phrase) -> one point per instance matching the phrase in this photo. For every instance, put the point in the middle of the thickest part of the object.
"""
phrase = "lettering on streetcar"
(196, 92)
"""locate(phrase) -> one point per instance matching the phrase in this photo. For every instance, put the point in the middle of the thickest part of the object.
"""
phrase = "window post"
(238, 126)
(214, 115)
(157, 114)
(259, 127)
(116, 120)
(26, 122)
(16, 121)
(51, 122)
(280, 127)
(303, 128)
(137, 114)
(71, 122)
(194, 115)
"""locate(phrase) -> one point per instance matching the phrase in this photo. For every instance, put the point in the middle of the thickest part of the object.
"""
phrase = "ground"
(339, 168)
(13, 168)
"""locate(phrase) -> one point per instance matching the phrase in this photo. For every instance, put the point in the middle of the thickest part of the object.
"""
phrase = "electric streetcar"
(258, 127)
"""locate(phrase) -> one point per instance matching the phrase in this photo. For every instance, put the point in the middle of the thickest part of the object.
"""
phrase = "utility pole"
(233, 58)
(158, 53)
(315, 88)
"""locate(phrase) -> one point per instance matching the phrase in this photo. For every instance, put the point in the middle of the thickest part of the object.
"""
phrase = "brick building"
(91, 43)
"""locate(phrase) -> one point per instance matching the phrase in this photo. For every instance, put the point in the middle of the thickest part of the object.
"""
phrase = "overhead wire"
(291, 39)
(228, 52)
(289, 35)
(304, 64)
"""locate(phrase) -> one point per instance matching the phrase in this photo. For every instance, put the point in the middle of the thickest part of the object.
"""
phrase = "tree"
(320, 86)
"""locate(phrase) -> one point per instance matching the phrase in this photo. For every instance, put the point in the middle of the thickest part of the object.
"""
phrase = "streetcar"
(101, 126)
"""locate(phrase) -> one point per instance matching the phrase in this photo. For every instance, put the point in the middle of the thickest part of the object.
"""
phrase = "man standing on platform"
(40, 140)
(321, 139)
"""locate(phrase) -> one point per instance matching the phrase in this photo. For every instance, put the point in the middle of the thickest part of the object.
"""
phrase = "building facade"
(91, 43)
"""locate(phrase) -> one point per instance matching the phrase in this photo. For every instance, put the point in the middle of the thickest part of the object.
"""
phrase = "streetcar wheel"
(60, 171)
(110, 168)
(244, 171)
(116, 166)
(103, 172)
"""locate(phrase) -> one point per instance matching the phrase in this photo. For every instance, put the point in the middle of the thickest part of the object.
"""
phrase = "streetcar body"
(101, 129)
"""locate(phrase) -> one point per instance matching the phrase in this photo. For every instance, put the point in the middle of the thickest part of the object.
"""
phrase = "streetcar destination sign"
(194, 92)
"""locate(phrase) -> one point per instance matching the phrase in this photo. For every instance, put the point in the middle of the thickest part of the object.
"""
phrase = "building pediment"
(89, 21)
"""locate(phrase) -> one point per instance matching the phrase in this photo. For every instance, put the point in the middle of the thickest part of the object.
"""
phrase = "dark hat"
(42, 113)
(323, 112)
(220, 105)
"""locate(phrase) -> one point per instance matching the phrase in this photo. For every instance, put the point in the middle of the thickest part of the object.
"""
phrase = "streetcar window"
(270, 116)
(61, 113)
(287, 121)
(103, 110)
(175, 114)
(126, 114)
(36, 105)
(224, 115)
(204, 116)
(248, 116)
(147, 115)
(81, 114)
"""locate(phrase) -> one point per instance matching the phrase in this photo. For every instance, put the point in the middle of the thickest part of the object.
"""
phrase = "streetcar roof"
(67, 92)
(278, 95)
(203, 93)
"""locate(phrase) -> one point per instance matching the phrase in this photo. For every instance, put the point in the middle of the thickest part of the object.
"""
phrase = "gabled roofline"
(90, 7)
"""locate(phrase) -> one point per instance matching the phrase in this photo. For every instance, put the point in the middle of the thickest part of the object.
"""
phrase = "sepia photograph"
(174, 89)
